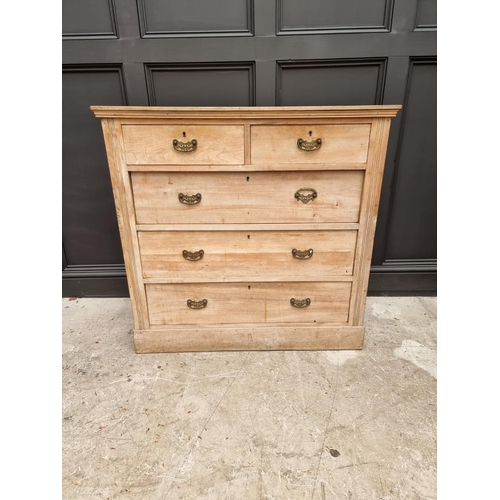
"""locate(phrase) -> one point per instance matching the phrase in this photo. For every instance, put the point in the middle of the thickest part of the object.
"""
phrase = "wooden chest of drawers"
(247, 228)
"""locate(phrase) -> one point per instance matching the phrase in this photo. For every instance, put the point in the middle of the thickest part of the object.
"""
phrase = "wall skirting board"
(411, 278)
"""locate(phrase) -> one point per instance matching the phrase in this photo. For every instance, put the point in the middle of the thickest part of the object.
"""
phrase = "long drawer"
(247, 197)
(226, 303)
(211, 256)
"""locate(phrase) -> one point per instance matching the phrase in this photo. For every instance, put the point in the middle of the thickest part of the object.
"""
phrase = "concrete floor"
(353, 425)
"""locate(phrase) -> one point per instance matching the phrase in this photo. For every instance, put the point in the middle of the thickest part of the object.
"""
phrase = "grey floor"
(353, 425)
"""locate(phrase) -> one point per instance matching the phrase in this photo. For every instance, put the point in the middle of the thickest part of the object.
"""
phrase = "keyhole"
(248, 236)
(248, 178)
(249, 287)
(310, 133)
(183, 134)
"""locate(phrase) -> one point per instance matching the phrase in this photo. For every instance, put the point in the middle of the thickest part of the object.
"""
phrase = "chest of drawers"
(247, 228)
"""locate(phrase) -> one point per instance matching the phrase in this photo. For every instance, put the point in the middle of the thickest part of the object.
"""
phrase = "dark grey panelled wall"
(250, 53)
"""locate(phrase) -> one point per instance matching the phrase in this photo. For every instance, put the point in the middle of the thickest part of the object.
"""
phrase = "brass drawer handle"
(193, 255)
(197, 305)
(302, 254)
(306, 198)
(300, 303)
(190, 200)
(185, 147)
(309, 145)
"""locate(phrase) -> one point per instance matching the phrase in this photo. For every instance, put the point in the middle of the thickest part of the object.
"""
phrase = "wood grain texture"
(122, 192)
(315, 226)
(247, 222)
(248, 303)
(152, 144)
(242, 120)
(368, 218)
(247, 144)
(249, 338)
(282, 167)
(231, 256)
(273, 112)
(277, 144)
(258, 197)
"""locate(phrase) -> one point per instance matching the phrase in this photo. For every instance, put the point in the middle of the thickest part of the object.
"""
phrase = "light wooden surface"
(277, 144)
(246, 255)
(249, 338)
(258, 197)
(150, 144)
(368, 219)
(320, 226)
(247, 167)
(248, 303)
(247, 112)
(122, 192)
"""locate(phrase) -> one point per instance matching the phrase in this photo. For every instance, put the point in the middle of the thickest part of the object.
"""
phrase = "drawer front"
(153, 144)
(247, 197)
(205, 256)
(339, 143)
(248, 303)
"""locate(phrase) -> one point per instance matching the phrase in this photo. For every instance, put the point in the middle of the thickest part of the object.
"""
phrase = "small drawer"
(183, 144)
(247, 197)
(229, 256)
(226, 303)
(285, 144)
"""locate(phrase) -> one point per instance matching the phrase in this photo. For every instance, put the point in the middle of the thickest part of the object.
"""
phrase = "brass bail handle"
(193, 255)
(305, 195)
(190, 200)
(192, 304)
(302, 254)
(313, 145)
(300, 303)
(185, 147)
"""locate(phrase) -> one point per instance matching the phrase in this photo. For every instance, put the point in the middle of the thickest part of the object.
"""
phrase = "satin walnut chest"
(247, 228)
